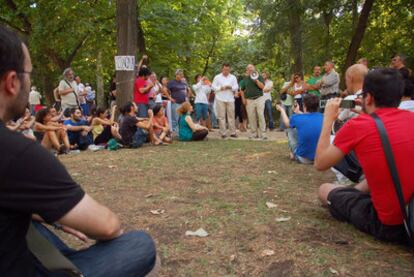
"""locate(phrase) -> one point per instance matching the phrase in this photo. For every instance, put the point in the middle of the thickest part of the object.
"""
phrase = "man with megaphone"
(252, 86)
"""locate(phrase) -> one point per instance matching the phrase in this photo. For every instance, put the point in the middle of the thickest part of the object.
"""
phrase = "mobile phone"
(347, 104)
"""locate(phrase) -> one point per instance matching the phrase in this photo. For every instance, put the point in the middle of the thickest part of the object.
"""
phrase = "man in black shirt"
(33, 184)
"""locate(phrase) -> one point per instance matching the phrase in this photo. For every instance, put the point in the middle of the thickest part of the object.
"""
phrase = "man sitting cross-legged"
(304, 129)
(372, 206)
(34, 182)
(79, 131)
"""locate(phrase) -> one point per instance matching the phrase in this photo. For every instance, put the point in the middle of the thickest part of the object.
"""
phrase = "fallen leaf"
(267, 252)
(333, 271)
(232, 258)
(272, 172)
(283, 219)
(148, 195)
(112, 166)
(271, 205)
(199, 233)
(157, 212)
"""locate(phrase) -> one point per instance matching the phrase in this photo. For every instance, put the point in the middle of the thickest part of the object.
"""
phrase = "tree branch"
(76, 49)
(13, 26)
(26, 22)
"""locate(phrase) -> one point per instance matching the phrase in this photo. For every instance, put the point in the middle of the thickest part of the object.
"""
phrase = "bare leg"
(53, 139)
(63, 135)
(324, 191)
(115, 133)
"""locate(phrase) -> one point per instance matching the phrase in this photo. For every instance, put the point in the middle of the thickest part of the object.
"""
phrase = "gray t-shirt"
(178, 90)
(70, 98)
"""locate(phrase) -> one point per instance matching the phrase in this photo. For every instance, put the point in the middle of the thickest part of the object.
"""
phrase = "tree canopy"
(280, 36)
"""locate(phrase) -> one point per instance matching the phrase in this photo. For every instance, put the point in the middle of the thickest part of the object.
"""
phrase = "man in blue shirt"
(79, 131)
(304, 129)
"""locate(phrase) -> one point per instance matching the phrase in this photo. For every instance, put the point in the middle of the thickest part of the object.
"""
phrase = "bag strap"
(76, 96)
(392, 167)
(48, 255)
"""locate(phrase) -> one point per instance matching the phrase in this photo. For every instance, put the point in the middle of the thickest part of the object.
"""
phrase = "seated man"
(35, 182)
(79, 131)
(135, 131)
(304, 129)
(372, 206)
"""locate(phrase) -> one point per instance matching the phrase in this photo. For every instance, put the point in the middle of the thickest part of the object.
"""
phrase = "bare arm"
(327, 154)
(284, 116)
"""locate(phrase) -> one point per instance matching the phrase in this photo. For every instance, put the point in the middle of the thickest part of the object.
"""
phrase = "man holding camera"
(371, 206)
(329, 85)
(252, 87)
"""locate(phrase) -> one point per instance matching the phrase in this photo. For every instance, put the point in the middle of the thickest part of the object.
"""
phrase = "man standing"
(255, 103)
(46, 189)
(225, 86)
(68, 90)
(179, 90)
(329, 84)
(267, 95)
(34, 99)
(82, 96)
(372, 206)
(398, 62)
(142, 89)
(304, 129)
(311, 84)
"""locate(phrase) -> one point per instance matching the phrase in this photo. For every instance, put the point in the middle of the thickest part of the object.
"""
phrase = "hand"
(279, 108)
(144, 57)
(296, 108)
(332, 109)
(75, 233)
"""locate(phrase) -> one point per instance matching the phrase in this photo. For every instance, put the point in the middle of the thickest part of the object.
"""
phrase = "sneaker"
(223, 136)
(77, 151)
(253, 137)
(264, 138)
(234, 136)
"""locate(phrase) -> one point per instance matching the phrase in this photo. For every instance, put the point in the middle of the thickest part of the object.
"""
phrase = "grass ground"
(223, 187)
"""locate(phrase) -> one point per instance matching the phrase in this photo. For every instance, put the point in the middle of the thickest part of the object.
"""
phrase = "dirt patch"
(279, 269)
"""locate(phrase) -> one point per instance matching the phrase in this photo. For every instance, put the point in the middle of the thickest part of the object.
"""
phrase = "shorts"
(201, 111)
(353, 206)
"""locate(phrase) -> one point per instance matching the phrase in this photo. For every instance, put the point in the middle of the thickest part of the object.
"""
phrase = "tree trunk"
(295, 28)
(100, 92)
(327, 19)
(126, 21)
(358, 35)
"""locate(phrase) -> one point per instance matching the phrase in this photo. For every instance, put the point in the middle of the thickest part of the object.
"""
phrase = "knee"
(142, 251)
(324, 191)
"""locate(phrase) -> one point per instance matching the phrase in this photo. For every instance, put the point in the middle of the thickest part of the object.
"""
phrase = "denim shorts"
(201, 111)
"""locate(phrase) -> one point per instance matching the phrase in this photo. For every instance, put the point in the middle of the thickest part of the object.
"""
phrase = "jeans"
(76, 137)
(213, 117)
(293, 145)
(132, 254)
(269, 113)
(142, 110)
(288, 110)
(174, 116)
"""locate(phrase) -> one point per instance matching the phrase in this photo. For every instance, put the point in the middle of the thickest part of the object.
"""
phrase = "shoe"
(234, 136)
(253, 137)
(223, 136)
(263, 138)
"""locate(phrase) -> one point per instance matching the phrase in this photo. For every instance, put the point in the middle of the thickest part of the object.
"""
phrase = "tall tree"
(126, 22)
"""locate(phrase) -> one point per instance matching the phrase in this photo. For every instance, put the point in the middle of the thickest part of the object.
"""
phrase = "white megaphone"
(254, 76)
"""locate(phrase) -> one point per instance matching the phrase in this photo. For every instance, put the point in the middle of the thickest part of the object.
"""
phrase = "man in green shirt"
(255, 102)
(314, 79)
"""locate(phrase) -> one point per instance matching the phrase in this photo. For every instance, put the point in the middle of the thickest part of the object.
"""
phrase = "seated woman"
(188, 130)
(160, 125)
(50, 134)
(103, 129)
(23, 125)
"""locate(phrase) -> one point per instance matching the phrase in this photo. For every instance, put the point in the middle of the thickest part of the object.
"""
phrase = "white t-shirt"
(81, 88)
(297, 87)
(34, 97)
(70, 98)
(407, 105)
(268, 86)
(220, 81)
(202, 91)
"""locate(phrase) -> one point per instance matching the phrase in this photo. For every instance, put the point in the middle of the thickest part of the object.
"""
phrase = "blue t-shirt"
(178, 90)
(73, 135)
(309, 127)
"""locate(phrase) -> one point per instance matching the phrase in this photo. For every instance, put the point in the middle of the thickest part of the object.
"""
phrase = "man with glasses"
(371, 206)
(68, 90)
(34, 184)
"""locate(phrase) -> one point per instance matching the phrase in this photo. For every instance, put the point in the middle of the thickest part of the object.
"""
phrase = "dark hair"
(226, 65)
(66, 112)
(385, 85)
(144, 71)
(162, 77)
(126, 108)
(408, 88)
(11, 52)
(99, 111)
(156, 109)
(196, 77)
(311, 103)
(41, 114)
(73, 110)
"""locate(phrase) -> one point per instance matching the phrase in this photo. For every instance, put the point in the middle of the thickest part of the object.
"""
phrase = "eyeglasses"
(24, 72)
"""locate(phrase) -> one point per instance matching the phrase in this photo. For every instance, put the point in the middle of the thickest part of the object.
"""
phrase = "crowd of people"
(325, 127)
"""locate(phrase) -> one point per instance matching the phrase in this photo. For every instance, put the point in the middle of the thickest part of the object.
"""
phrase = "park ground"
(223, 186)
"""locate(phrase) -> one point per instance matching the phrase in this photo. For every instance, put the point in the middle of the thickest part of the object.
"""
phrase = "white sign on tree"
(124, 63)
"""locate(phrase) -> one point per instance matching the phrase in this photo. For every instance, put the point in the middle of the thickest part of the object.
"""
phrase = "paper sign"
(124, 63)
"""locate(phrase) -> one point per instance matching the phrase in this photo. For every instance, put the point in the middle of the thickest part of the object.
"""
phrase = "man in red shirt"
(371, 206)
(141, 91)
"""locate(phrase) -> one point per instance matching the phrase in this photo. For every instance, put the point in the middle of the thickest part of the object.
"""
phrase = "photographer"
(304, 129)
(329, 85)
(372, 206)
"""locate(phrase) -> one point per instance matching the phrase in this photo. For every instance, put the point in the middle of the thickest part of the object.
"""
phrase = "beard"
(18, 108)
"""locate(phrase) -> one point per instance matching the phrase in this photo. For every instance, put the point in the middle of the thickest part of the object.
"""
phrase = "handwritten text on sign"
(124, 63)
